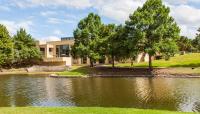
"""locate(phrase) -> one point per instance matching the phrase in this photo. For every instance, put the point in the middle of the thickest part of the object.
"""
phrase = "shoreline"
(184, 72)
(129, 76)
(50, 74)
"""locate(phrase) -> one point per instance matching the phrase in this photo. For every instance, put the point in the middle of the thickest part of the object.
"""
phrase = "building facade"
(59, 53)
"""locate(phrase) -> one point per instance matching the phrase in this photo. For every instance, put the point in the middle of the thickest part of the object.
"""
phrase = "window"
(42, 50)
(50, 49)
(62, 51)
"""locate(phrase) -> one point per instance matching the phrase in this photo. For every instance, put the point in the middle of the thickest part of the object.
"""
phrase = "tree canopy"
(151, 27)
(185, 44)
(196, 41)
(6, 46)
(87, 37)
(25, 50)
(115, 42)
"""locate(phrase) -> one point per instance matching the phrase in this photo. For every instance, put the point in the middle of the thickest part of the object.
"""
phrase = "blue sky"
(51, 19)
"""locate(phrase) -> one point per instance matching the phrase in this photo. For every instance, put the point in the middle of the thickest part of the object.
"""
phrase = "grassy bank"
(187, 60)
(76, 71)
(85, 110)
(180, 64)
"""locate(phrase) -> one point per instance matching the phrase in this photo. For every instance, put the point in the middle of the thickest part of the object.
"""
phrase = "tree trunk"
(91, 62)
(131, 63)
(150, 63)
(132, 60)
(113, 61)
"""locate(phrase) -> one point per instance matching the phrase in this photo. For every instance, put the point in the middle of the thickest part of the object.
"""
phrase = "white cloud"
(116, 9)
(188, 19)
(48, 13)
(186, 14)
(58, 32)
(182, 1)
(59, 21)
(79, 4)
(13, 26)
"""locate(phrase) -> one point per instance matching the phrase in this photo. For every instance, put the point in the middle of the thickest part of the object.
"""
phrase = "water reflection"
(150, 93)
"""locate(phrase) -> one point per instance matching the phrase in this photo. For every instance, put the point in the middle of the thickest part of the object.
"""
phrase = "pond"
(176, 94)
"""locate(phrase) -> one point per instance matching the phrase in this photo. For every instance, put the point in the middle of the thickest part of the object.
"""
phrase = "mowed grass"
(75, 71)
(82, 110)
(187, 60)
(181, 64)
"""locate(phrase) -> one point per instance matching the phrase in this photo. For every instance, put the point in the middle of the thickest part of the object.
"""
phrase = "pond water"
(178, 94)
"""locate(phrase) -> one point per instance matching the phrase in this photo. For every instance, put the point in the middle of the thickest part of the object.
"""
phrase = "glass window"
(50, 49)
(42, 50)
(63, 51)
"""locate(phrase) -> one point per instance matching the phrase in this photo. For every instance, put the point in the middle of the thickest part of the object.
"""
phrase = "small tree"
(25, 50)
(184, 44)
(168, 49)
(87, 37)
(196, 41)
(6, 46)
(150, 26)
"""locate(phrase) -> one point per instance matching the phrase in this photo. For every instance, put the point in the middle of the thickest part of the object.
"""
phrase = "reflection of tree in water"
(4, 94)
(104, 92)
(187, 92)
(16, 91)
(33, 91)
(154, 93)
(123, 92)
(196, 107)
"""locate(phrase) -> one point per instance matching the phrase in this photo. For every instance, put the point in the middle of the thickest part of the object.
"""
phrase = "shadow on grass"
(102, 70)
(82, 70)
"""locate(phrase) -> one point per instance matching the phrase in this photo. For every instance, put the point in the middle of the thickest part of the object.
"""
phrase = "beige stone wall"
(50, 57)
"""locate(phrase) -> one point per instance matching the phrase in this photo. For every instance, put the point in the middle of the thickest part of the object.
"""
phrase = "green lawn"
(187, 60)
(75, 71)
(79, 110)
(179, 64)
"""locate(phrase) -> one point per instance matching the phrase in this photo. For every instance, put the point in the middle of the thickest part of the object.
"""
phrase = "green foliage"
(168, 49)
(184, 44)
(87, 37)
(114, 42)
(5, 46)
(25, 50)
(151, 26)
(196, 41)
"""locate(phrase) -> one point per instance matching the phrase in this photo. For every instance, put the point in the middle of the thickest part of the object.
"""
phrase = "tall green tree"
(184, 44)
(87, 37)
(196, 41)
(6, 46)
(151, 26)
(114, 43)
(25, 50)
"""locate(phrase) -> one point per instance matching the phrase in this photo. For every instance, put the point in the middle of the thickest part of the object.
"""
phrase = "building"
(59, 53)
